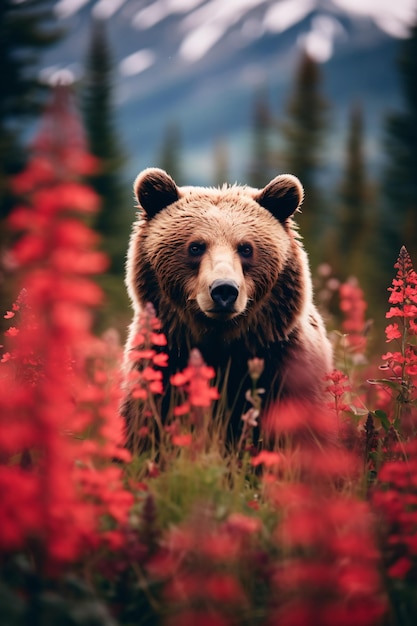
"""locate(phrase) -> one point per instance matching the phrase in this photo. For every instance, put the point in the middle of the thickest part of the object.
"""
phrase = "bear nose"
(224, 293)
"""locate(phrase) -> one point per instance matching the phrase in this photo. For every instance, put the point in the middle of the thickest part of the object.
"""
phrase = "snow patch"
(137, 62)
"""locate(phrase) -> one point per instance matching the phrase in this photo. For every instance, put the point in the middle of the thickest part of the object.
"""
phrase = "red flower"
(160, 360)
(183, 441)
(56, 403)
(266, 458)
(158, 339)
(139, 394)
(11, 332)
(400, 569)
(195, 379)
(237, 522)
(353, 305)
(182, 409)
(180, 378)
(392, 331)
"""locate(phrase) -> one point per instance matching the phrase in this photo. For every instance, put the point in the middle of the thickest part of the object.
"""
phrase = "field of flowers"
(318, 530)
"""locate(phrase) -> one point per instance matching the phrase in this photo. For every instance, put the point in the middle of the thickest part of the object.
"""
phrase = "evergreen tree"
(400, 179)
(26, 29)
(169, 159)
(259, 170)
(304, 135)
(355, 199)
(114, 219)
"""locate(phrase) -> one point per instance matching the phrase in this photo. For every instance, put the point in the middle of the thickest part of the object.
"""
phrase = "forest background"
(361, 196)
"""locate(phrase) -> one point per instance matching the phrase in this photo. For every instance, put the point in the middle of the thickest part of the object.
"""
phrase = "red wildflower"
(299, 419)
(395, 500)
(402, 363)
(266, 458)
(338, 386)
(155, 386)
(223, 588)
(158, 339)
(392, 331)
(353, 305)
(195, 380)
(11, 332)
(160, 360)
(149, 374)
(53, 388)
(400, 569)
(182, 409)
(331, 567)
(145, 381)
(179, 379)
(183, 441)
(394, 312)
(237, 522)
(139, 394)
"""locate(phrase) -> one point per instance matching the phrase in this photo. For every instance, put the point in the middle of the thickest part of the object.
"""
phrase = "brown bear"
(226, 272)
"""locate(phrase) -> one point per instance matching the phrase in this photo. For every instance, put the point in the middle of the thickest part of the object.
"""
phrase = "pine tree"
(259, 170)
(400, 179)
(304, 134)
(355, 201)
(170, 159)
(26, 29)
(114, 218)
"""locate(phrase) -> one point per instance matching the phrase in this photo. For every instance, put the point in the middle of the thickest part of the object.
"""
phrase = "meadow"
(318, 528)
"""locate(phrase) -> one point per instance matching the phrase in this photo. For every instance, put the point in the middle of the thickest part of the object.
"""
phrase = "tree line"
(357, 231)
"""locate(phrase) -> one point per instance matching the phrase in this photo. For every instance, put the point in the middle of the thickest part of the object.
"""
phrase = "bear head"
(217, 260)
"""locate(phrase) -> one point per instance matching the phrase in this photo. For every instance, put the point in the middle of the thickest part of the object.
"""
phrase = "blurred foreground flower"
(59, 427)
(353, 307)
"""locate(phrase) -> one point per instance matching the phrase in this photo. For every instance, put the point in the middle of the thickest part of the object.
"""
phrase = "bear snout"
(224, 294)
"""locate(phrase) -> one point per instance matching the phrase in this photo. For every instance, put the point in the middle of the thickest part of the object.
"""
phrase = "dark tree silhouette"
(170, 154)
(26, 30)
(259, 169)
(400, 179)
(304, 132)
(355, 200)
(113, 220)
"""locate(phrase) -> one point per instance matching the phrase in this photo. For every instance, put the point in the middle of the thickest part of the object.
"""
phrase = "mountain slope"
(163, 74)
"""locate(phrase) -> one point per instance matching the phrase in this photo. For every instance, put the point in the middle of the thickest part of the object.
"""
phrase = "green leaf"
(383, 418)
(385, 381)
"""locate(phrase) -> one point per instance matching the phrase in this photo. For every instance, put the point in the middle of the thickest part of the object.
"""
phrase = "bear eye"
(245, 250)
(196, 248)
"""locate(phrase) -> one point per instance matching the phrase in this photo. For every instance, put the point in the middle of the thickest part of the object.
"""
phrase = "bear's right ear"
(155, 190)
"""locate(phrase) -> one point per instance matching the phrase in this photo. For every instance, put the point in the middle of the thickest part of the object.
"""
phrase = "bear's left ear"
(282, 196)
(155, 190)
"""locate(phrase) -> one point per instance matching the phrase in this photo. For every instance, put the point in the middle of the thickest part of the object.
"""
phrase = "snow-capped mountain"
(199, 63)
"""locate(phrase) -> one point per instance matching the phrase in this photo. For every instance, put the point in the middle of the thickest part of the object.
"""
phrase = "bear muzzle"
(224, 294)
(221, 291)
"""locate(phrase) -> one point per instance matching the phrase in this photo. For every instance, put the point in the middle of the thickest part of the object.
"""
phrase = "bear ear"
(282, 196)
(155, 190)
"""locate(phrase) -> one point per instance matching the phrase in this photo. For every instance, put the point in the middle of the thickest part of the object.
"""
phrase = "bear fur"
(226, 272)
